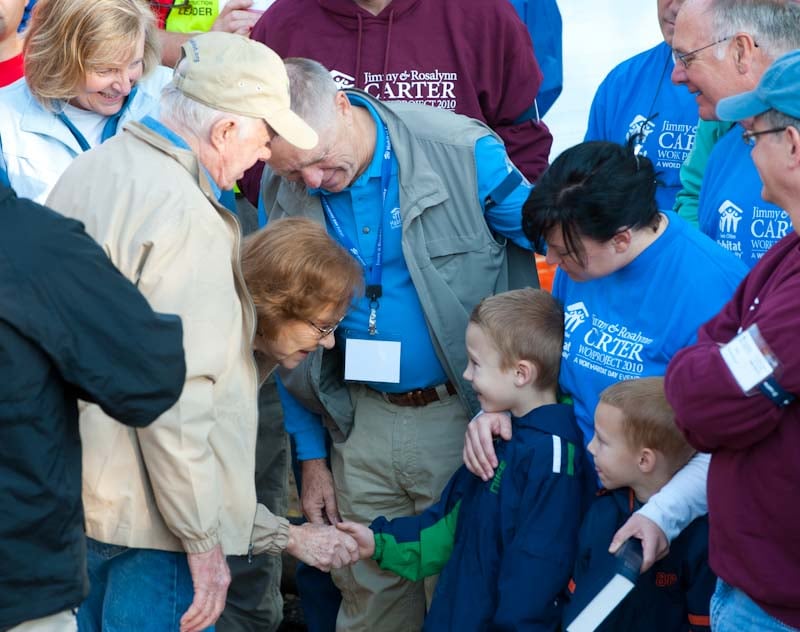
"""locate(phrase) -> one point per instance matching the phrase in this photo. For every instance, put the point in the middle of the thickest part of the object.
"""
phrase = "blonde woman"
(85, 68)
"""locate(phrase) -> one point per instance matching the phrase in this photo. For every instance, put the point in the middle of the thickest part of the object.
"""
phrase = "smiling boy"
(504, 547)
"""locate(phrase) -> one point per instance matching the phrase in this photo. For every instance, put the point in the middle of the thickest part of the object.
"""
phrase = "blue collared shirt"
(400, 316)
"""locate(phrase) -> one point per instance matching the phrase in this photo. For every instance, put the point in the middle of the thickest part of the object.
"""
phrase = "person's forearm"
(682, 499)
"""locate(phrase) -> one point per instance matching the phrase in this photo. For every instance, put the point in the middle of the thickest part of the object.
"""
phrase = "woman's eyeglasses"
(325, 331)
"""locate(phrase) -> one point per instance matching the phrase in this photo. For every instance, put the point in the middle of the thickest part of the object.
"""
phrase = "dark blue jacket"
(673, 596)
(504, 547)
(71, 326)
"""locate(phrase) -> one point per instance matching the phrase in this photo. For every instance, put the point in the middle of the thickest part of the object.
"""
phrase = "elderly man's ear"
(224, 132)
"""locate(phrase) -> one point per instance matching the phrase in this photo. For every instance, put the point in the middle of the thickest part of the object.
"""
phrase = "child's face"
(615, 461)
(493, 385)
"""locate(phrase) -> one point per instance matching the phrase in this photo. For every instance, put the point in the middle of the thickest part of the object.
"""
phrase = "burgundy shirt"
(754, 478)
(474, 57)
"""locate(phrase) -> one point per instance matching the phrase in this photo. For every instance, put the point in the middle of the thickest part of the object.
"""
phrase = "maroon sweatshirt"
(754, 478)
(471, 56)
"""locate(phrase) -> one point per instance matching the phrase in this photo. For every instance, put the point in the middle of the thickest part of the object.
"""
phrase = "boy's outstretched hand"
(361, 534)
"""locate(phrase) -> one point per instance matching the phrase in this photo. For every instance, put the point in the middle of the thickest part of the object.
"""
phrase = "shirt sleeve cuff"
(270, 532)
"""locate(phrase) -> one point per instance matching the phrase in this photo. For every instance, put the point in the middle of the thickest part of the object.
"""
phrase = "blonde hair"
(648, 420)
(68, 38)
(294, 269)
(527, 325)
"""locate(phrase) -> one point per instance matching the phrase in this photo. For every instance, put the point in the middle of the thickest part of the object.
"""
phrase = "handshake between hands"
(330, 546)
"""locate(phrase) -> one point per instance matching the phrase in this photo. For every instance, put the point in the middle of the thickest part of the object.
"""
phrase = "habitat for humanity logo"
(574, 316)
(639, 129)
(342, 80)
(729, 217)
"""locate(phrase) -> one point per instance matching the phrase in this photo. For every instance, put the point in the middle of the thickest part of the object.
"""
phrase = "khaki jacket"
(187, 481)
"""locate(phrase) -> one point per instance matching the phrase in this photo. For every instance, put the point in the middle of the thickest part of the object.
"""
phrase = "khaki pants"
(395, 462)
(60, 622)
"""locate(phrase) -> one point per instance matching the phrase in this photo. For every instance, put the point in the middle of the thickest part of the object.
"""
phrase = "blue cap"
(779, 89)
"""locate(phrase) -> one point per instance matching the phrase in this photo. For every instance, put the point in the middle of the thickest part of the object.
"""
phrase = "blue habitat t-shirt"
(731, 210)
(629, 324)
(638, 97)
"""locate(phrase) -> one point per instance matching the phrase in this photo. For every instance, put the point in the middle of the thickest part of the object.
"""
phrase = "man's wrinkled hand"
(479, 455)
(210, 578)
(322, 546)
(318, 498)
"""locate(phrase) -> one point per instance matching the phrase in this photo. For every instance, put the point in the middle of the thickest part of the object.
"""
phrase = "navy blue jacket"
(71, 326)
(504, 547)
(673, 596)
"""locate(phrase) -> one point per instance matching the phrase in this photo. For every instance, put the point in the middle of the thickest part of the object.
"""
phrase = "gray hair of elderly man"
(773, 24)
(313, 92)
(196, 119)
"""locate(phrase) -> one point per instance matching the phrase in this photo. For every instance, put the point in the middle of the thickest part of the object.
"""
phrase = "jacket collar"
(186, 158)
(554, 419)
(37, 120)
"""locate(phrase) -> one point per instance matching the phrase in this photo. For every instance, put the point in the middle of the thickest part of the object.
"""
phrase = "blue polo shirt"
(360, 213)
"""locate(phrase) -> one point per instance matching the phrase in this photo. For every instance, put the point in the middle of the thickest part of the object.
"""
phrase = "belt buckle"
(417, 397)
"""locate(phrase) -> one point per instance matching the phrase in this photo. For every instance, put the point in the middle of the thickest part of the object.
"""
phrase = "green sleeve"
(419, 546)
(688, 198)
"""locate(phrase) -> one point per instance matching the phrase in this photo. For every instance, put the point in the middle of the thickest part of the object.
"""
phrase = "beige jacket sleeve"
(270, 532)
(188, 272)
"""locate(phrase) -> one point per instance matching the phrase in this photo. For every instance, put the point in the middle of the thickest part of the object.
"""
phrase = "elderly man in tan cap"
(165, 504)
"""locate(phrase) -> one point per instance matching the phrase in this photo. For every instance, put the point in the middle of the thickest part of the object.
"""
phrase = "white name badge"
(369, 360)
(748, 358)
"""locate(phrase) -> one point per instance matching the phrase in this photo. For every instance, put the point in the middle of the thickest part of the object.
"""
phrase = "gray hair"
(775, 118)
(773, 24)
(313, 92)
(195, 118)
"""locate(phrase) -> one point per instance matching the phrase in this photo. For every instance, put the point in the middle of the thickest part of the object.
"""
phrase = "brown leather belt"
(421, 396)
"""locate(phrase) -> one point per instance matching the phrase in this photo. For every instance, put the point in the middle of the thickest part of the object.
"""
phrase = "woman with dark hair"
(636, 283)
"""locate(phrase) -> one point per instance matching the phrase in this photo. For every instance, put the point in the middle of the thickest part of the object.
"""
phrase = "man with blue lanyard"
(430, 205)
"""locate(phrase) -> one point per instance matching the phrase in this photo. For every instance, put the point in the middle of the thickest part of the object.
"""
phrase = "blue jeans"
(134, 589)
(733, 611)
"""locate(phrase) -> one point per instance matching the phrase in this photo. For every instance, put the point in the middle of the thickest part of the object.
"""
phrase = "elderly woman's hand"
(322, 546)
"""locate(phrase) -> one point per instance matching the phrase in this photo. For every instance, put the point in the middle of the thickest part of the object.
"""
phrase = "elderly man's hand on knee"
(210, 577)
(322, 546)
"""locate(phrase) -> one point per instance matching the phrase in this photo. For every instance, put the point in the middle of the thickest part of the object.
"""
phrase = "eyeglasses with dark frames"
(749, 137)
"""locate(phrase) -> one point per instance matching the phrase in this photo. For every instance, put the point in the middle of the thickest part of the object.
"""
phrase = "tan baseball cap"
(234, 74)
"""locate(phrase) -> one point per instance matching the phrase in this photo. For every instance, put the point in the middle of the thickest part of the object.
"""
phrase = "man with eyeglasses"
(638, 102)
(429, 204)
(721, 48)
(734, 391)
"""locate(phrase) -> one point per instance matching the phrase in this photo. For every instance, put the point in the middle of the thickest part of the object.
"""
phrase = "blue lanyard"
(109, 129)
(374, 288)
